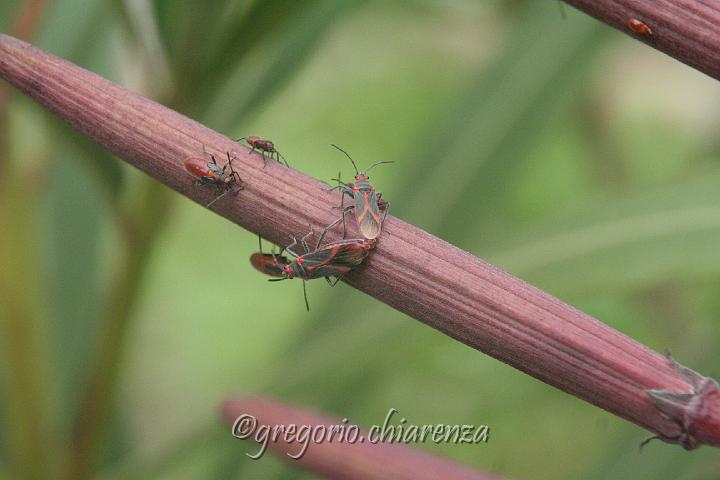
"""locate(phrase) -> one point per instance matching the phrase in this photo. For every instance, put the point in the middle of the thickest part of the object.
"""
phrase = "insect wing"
(268, 264)
(215, 168)
(342, 254)
(367, 213)
(327, 271)
(319, 257)
(350, 254)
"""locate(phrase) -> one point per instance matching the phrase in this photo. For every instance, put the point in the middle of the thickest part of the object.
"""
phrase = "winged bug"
(263, 146)
(268, 263)
(367, 201)
(330, 261)
(225, 178)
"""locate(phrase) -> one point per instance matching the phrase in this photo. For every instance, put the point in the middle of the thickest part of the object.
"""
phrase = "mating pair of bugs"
(226, 178)
(332, 260)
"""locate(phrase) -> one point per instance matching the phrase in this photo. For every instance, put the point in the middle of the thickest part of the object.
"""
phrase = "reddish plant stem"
(687, 30)
(419, 274)
(250, 417)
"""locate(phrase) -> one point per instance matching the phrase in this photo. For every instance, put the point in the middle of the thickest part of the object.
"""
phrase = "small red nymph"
(640, 27)
(263, 146)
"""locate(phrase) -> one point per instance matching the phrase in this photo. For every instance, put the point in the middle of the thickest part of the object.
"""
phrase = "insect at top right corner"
(638, 26)
(367, 201)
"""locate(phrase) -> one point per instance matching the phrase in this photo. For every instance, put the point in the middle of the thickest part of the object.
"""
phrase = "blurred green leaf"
(277, 34)
(71, 239)
(213, 438)
(25, 369)
(8, 11)
(269, 66)
(76, 33)
(74, 29)
(644, 238)
(474, 150)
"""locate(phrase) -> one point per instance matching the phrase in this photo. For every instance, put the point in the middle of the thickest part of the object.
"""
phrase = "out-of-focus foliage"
(560, 150)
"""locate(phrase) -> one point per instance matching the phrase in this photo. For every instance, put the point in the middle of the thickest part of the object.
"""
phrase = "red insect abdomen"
(640, 27)
(196, 166)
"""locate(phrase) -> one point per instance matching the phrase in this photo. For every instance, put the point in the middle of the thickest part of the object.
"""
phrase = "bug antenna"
(260, 243)
(378, 163)
(347, 155)
(307, 305)
(240, 139)
(276, 279)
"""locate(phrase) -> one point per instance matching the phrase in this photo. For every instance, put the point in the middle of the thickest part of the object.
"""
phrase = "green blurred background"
(557, 148)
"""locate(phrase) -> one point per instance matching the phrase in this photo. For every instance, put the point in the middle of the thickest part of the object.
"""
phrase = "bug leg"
(236, 180)
(217, 198)
(345, 191)
(336, 187)
(237, 183)
(332, 283)
(307, 305)
(254, 150)
(303, 240)
(344, 211)
(327, 229)
(386, 204)
(283, 159)
(289, 248)
(345, 241)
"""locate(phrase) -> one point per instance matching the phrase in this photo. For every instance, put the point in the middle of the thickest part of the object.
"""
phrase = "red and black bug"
(268, 263)
(263, 145)
(367, 201)
(640, 27)
(210, 173)
(331, 261)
